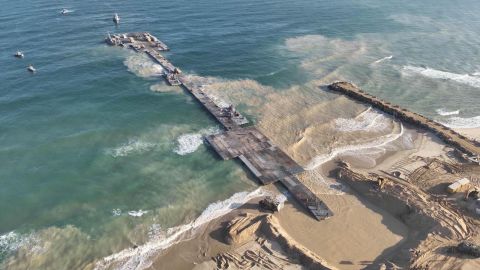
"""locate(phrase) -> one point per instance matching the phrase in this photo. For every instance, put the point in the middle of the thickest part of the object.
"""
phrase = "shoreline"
(363, 233)
(340, 241)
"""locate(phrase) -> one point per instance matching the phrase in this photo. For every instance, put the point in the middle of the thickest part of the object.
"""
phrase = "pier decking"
(469, 147)
(260, 156)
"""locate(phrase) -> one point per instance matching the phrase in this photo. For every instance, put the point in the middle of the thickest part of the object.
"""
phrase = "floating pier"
(260, 156)
(469, 148)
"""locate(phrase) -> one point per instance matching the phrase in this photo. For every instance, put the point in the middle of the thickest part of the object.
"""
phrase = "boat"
(64, 11)
(116, 19)
(31, 69)
(19, 54)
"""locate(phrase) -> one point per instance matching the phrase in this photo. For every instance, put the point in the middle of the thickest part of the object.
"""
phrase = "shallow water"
(95, 134)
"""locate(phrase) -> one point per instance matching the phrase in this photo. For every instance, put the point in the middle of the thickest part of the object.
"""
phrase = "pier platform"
(260, 156)
(268, 163)
(468, 147)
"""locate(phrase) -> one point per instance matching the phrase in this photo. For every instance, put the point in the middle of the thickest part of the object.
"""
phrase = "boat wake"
(66, 11)
(141, 257)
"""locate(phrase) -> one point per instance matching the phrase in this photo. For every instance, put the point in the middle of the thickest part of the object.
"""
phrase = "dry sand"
(473, 133)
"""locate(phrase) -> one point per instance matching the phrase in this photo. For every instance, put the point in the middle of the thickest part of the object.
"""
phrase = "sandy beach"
(371, 228)
(362, 234)
(359, 235)
(473, 133)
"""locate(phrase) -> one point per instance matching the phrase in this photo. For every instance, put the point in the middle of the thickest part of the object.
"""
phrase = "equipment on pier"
(19, 54)
(116, 18)
(269, 204)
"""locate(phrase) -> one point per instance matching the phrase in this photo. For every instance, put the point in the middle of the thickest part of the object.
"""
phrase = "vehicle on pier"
(19, 54)
(172, 79)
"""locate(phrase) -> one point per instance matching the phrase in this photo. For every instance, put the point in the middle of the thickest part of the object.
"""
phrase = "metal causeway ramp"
(260, 156)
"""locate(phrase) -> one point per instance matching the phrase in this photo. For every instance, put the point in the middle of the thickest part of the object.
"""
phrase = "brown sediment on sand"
(435, 223)
(448, 135)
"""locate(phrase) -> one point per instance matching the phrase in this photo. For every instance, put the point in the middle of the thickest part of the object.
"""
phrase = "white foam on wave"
(444, 112)
(476, 74)
(133, 146)
(466, 79)
(369, 120)
(461, 122)
(190, 142)
(142, 67)
(137, 213)
(351, 149)
(383, 59)
(141, 257)
(116, 212)
(9, 242)
(12, 241)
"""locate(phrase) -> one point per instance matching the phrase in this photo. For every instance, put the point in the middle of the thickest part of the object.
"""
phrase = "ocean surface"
(97, 154)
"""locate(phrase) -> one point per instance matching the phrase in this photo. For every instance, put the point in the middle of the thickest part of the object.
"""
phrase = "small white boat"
(64, 11)
(31, 69)
(116, 19)
(19, 54)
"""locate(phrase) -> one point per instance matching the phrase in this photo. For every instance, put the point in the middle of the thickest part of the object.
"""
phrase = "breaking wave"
(138, 213)
(190, 142)
(12, 241)
(460, 122)
(9, 242)
(382, 141)
(467, 79)
(140, 257)
(383, 59)
(369, 120)
(444, 112)
(133, 146)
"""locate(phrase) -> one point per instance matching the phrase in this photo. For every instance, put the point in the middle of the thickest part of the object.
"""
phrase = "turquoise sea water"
(85, 140)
